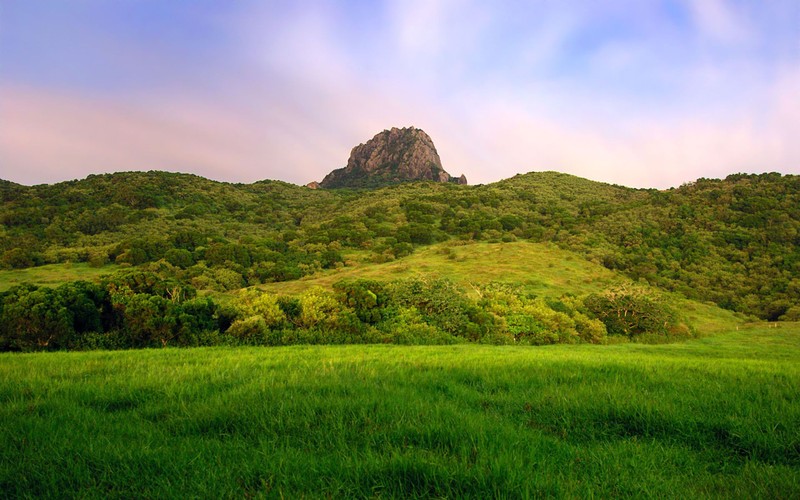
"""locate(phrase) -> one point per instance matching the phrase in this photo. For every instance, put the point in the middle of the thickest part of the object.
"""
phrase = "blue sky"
(634, 92)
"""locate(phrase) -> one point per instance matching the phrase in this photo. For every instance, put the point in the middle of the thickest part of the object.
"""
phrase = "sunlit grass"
(52, 274)
(715, 417)
(541, 268)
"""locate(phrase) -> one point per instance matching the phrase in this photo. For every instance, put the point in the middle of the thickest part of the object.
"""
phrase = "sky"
(642, 93)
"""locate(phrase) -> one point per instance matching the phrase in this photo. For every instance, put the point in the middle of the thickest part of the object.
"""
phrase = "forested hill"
(733, 241)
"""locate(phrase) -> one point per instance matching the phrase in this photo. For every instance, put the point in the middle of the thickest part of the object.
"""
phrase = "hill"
(731, 242)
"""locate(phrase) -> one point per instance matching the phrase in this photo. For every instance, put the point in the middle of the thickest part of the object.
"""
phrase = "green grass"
(715, 417)
(541, 268)
(52, 274)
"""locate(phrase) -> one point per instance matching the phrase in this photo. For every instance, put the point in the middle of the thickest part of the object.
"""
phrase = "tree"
(632, 310)
(18, 258)
(34, 319)
(366, 298)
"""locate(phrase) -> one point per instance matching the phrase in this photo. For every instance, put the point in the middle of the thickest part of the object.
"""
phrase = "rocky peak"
(392, 156)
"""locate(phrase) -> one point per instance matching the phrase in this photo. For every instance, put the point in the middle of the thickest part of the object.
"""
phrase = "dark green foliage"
(179, 257)
(366, 298)
(133, 309)
(33, 318)
(438, 300)
(291, 307)
(633, 311)
(732, 241)
(18, 258)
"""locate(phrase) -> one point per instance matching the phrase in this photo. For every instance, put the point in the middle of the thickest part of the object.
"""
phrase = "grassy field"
(715, 417)
(52, 274)
(541, 268)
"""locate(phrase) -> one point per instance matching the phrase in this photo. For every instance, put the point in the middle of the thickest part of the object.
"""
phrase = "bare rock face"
(313, 185)
(391, 157)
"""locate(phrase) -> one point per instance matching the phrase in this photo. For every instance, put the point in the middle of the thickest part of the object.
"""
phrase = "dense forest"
(733, 242)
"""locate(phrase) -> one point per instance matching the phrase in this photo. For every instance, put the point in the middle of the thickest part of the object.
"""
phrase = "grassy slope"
(51, 274)
(716, 417)
(542, 268)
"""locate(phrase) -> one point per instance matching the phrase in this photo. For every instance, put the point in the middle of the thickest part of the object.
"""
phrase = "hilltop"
(391, 157)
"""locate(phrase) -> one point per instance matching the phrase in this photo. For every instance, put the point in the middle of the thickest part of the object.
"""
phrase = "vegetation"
(169, 244)
(733, 242)
(441, 294)
(139, 309)
(715, 417)
(153, 259)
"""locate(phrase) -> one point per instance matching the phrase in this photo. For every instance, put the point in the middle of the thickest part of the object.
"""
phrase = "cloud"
(614, 94)
(300, 137)
(719, 20)
(46, 137)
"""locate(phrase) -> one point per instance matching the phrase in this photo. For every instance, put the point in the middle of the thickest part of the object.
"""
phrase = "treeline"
(735, 242)
(142, 309)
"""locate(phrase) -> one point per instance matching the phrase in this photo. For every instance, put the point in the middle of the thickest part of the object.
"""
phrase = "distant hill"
(734, 242)
(391, 157)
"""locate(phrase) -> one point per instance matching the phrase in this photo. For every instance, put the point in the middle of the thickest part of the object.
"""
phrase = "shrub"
(264, 305)
(318, 308)
(440, 302)
(179, 257)
(792, 314)
(17, 258)
(631, 310)
(249, 330)
(590, 330)
(407, 326)
(366, 298)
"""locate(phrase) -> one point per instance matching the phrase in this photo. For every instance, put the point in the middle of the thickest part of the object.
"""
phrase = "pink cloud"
(46, 137)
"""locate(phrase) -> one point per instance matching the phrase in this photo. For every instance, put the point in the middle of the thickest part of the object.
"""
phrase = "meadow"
(713, 417)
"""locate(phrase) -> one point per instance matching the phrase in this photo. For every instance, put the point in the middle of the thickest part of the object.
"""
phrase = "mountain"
(734, 241)
(391, 157)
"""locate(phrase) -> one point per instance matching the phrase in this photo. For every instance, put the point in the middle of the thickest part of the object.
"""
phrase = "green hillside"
(732, 242)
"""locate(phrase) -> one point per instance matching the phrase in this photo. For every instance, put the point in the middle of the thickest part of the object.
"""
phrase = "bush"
(17, 258)
(440, 302)
(590, 330)
(318, 308)
(631, 310)
(253, 303)
(179, 257)
(407, 326)
(249, 330)
(366, 298)
(792, 314)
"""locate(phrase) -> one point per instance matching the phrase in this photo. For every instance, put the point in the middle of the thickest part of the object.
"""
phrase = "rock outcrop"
(391, 157)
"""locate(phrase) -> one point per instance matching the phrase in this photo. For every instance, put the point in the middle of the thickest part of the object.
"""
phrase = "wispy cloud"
(720, 20)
